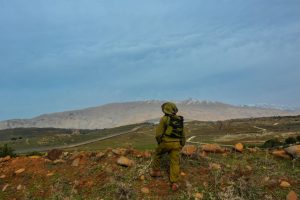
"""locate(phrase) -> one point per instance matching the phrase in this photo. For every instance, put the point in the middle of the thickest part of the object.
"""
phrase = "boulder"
(198, 196)
(19, 187)
(59, 161)
(214, 148)
(19, 171)
(2, 176)
(145, 190)
(293, 151)
(189, 150)
(6, 158)
(75, 162)
(146, 154)
(292, 196)
(285, 184)
(50, 174)
(55, 154)
(203, 154)
(120, 151)
(123, 161)
(214, 166)
(280, 153)
(239, 147)
(100, 155)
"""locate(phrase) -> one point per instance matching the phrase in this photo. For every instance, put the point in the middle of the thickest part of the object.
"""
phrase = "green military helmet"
(169, 108)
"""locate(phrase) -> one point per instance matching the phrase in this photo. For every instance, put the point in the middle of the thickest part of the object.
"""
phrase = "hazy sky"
(57, 55)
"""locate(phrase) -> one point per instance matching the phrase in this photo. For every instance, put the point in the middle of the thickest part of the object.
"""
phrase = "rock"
(66, 154)
(203, 154)
(6, 158)
(120, 151)
(253, 150)
(239, 147)
(285, 184)
(59, 161)
(293, 151)
(75, 162)
(266, 179)
(50, 174)
(142, 178)
(280, 153)
(292, 196)
(198, 196)
(19, 171)
(189, 150)
(125, 161)
(214, 166)
(145, 190)
(19, 187)
(214, 148)
(249, 168)
(5, 187)
(146, 154)
(182, 174)
(2, 176)
(100, 155)
(55, 154)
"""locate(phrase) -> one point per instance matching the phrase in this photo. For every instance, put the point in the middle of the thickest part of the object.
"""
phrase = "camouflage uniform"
(167, 144)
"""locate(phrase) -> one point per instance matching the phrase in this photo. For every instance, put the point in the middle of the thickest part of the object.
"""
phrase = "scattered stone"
(55, 154)
(50, 174)
(253, 150)
(120, 151)
(203, 154)
(125, 161)
(182, 174)
(249, 168)
(34, 157)
(5, 187)
(6, 158)
(59, 161)
(214, 148)
(142, 178)
(100, 155)
(145, 190)
(146, 154)
(189, 150)
(19, 187)
(198, 196)
(280, 153)
(2, 176)
(66, 154)
(293, 151)
(19, 171)
(75, 162)
(285, 184)
(214, 166)
(266, 179)
(47, 160)
(239, 147)
(292, 196)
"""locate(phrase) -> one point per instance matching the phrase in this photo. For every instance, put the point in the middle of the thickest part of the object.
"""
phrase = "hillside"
(253, 174)
(120, 114)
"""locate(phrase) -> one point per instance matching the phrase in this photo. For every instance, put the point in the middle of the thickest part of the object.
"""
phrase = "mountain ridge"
(124, 113)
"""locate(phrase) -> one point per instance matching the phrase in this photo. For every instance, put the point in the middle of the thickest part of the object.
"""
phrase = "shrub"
(290, 140)
(34, 153)
(298, 138)
(6, 151)
(272, 143)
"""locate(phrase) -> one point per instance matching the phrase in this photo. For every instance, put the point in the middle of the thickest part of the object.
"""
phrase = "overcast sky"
(58, 55)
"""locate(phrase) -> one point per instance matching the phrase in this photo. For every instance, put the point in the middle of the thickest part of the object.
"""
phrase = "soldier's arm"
(160, 129)
(183, 139)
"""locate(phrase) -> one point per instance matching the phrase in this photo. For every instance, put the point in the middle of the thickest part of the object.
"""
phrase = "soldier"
(170, 136)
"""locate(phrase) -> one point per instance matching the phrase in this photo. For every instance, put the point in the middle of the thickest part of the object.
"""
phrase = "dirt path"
(41, 149)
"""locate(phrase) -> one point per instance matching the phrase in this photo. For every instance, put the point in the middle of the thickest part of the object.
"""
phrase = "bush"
(6, 151)
(272, 143)
(290, 140)
(34, 153)
(298, 138)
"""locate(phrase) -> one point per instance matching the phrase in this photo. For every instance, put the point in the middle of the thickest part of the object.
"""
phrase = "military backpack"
(175, 126)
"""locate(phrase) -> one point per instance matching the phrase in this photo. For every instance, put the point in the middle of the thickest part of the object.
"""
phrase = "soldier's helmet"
(169, 108)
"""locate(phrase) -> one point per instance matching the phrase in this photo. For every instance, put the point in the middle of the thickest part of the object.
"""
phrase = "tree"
(6, 151)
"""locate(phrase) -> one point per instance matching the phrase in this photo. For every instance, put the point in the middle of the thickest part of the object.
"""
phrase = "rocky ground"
(209, 172)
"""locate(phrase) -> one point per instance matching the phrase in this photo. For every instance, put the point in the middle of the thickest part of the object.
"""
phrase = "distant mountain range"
(118, 114)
